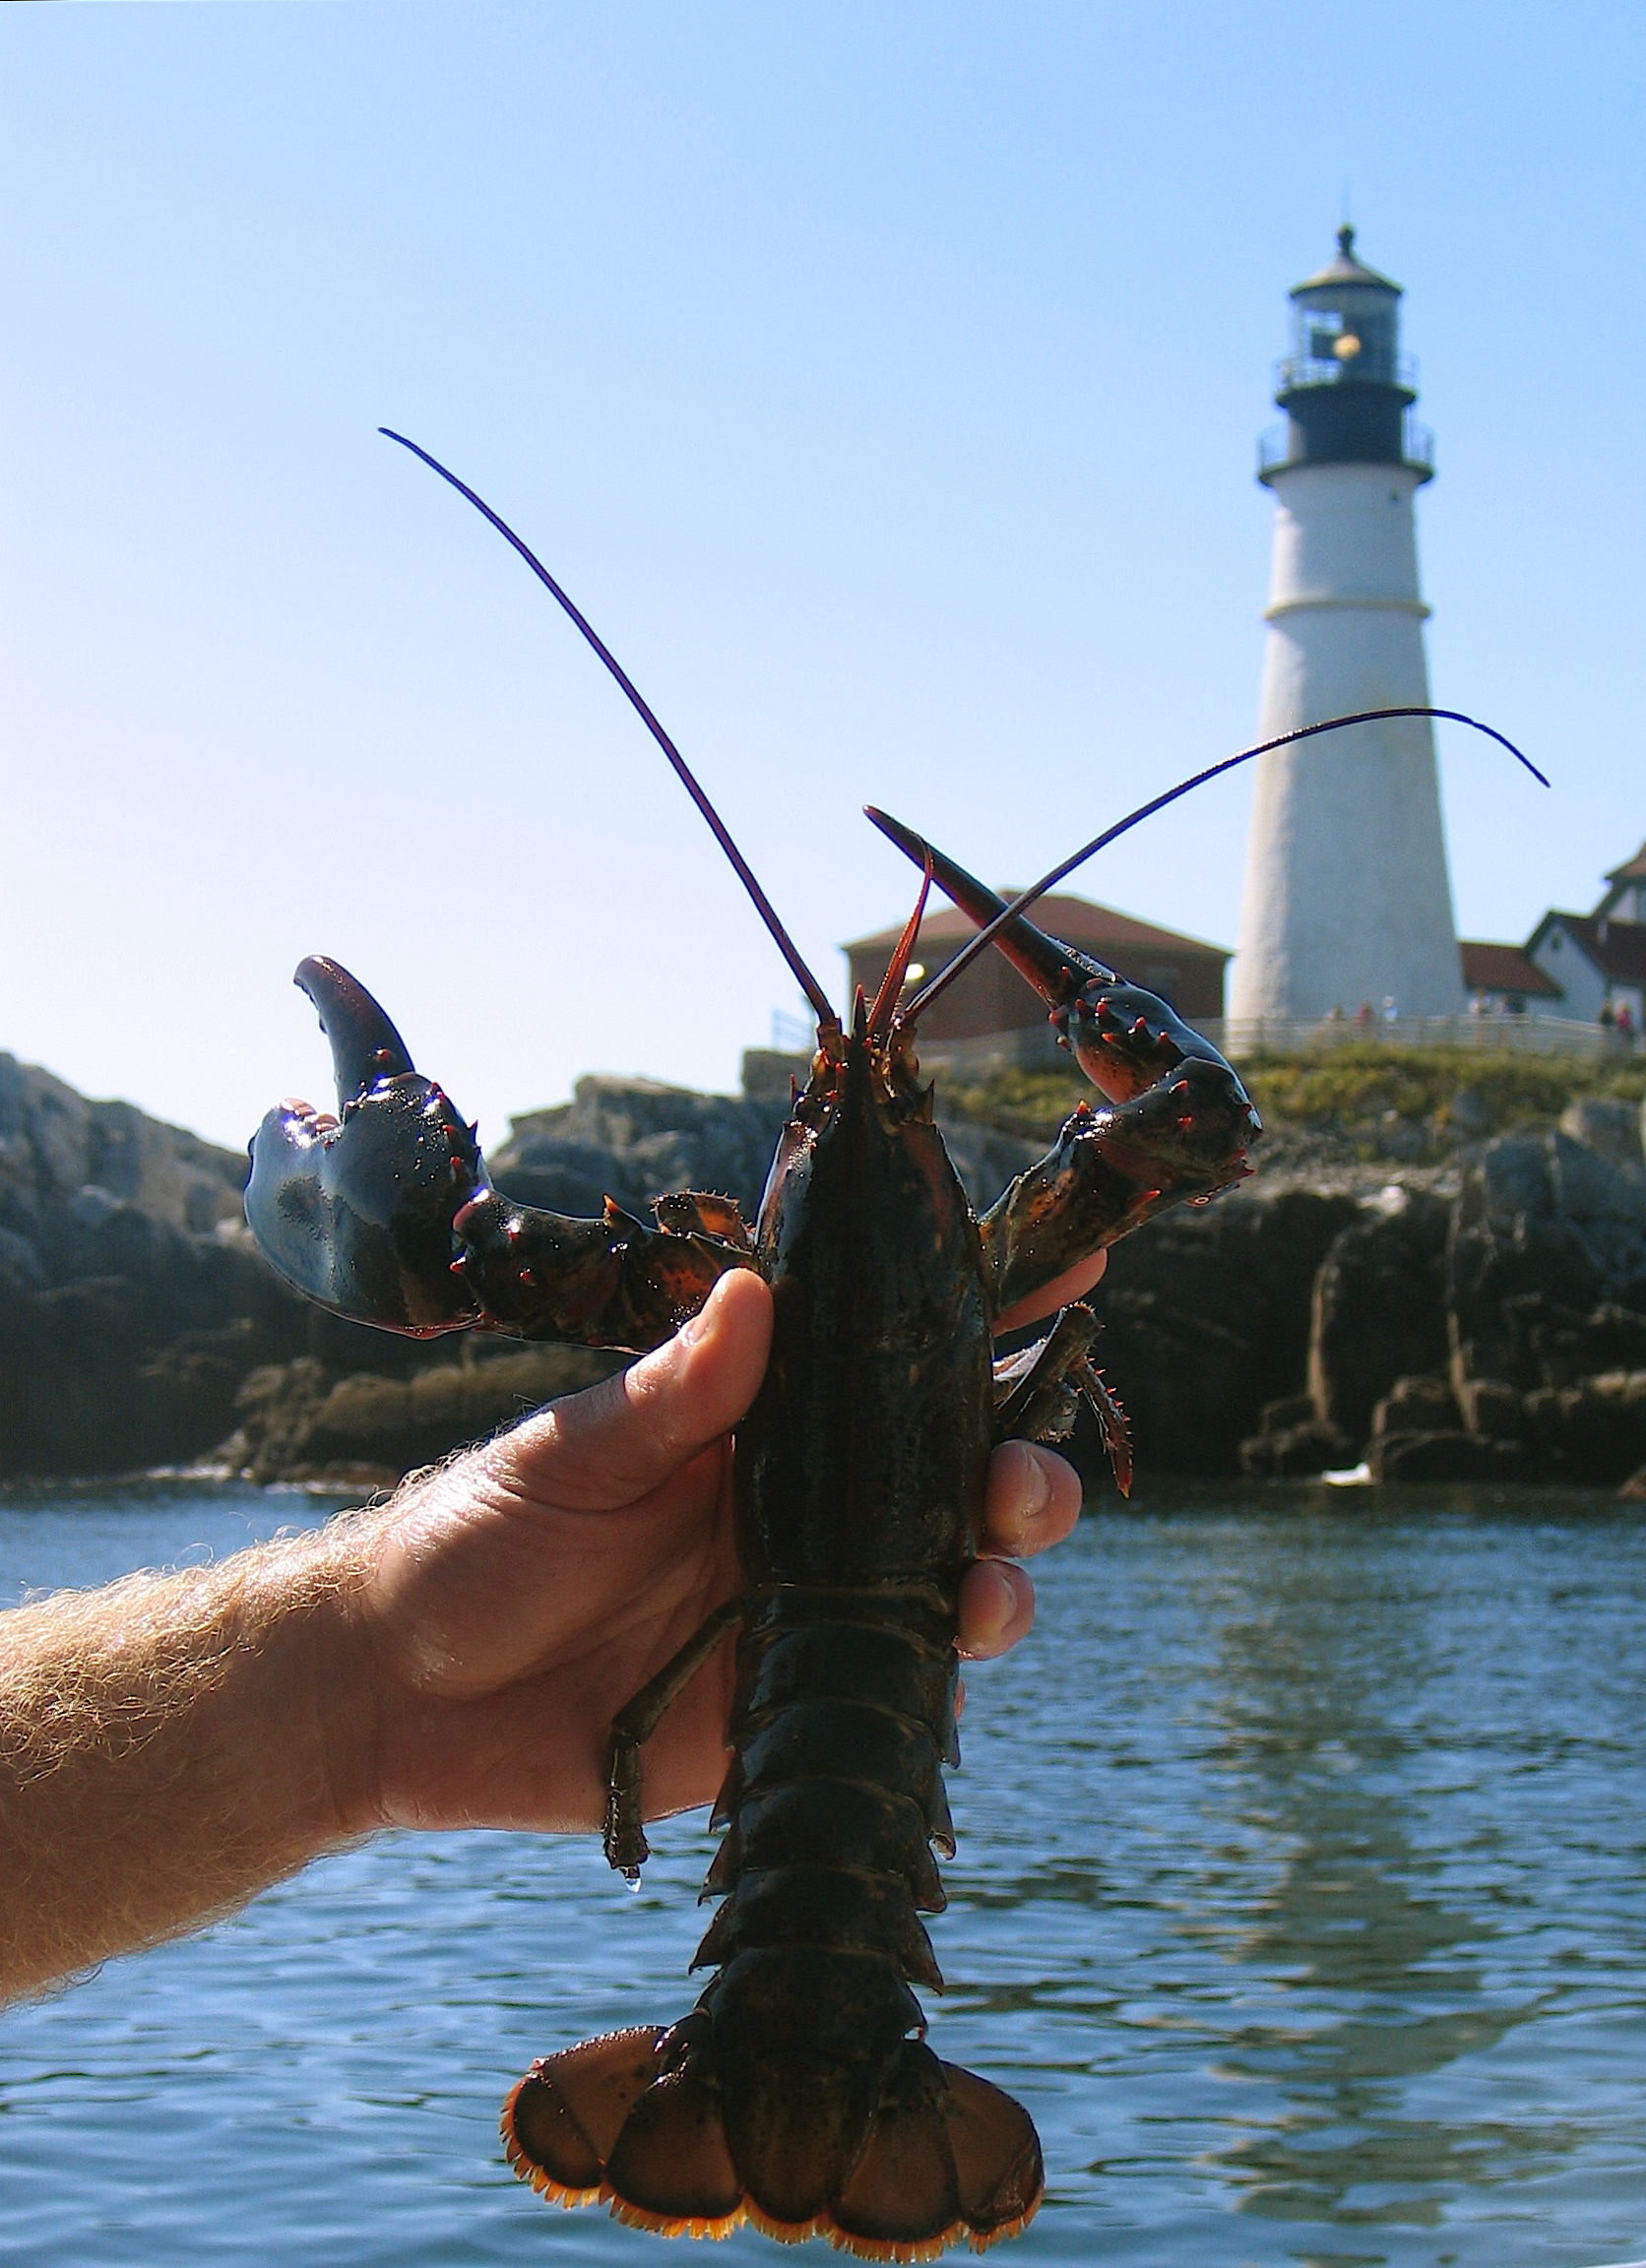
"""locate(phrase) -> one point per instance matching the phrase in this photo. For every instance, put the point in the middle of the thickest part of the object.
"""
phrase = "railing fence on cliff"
(1489, 1034)
(1033, 1048)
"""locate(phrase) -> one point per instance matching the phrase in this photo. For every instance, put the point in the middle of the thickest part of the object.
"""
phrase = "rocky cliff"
(1485, 1322)
(127, 1322)
(1483, 1317)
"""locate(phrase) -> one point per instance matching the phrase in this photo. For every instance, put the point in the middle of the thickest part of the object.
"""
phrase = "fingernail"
(1001, 1604)
(694, 1328)
(1039, 1494)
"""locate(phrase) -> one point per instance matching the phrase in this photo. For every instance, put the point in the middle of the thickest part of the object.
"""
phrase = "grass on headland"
(1454, 1094)
(1427, 1086)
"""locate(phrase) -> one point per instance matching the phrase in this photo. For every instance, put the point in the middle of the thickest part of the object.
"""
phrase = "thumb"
(626, 1436)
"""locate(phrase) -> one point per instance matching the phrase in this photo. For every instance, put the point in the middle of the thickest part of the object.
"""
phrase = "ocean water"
(1301, 1895)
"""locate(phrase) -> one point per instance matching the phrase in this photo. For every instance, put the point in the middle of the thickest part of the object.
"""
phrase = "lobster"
(800, 2093)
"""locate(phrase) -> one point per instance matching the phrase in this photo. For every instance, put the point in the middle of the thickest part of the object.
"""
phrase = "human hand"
(515, 1600)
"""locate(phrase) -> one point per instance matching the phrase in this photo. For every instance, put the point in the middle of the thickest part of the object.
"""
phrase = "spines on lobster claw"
(357, 1209)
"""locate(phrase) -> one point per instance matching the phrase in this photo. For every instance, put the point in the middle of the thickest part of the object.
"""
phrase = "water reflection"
(1381, 1973)
(1334, 1677)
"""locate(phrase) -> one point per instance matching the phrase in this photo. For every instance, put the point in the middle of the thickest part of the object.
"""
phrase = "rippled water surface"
(1301, 1895)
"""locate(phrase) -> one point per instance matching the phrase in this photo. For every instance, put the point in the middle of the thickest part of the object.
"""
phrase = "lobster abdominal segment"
(825, 1707)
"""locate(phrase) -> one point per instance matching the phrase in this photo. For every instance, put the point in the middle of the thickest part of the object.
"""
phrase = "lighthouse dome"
(1344, 269)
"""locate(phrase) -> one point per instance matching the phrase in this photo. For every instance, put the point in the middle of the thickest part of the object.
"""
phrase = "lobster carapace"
(800, 2093)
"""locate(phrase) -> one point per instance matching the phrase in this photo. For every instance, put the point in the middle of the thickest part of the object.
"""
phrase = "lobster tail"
(799, 2094)
(894, 2157)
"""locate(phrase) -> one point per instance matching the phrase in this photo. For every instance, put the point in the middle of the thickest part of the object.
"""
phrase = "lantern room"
(1345, 387)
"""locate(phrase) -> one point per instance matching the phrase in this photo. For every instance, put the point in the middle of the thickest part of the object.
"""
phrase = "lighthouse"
(1347, 898)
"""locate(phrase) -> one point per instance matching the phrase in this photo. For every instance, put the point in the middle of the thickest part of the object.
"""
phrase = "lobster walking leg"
(626, 1848)
(1039, 1392)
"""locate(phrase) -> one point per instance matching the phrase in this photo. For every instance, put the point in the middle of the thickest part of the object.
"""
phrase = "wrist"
(315, 1621)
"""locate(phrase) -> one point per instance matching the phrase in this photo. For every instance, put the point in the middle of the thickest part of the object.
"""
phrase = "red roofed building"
(992, 1002)
(1503, 978)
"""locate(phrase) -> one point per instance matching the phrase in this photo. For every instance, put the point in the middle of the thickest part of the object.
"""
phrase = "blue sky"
(883, 381)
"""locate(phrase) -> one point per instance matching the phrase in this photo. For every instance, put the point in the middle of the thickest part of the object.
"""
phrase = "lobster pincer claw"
(357, 1211)
(1124, 1039)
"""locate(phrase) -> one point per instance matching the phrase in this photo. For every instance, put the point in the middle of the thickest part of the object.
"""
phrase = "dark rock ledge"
(1485, 1319)
(1491, 1330)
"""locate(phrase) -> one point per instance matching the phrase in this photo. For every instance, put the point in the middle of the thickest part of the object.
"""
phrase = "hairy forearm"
(170, 1744)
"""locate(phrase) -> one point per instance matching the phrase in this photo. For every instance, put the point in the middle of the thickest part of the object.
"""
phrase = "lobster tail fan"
(889, 2158)
(562, 2120)
(672, 2169)
(948, 2158)
(798, 2123)
(997, 2156)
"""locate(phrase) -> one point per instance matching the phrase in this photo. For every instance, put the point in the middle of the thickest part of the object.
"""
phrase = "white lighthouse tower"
(1347, 899)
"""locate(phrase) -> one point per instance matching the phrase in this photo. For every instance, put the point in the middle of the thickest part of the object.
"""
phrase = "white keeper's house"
(1596, 959)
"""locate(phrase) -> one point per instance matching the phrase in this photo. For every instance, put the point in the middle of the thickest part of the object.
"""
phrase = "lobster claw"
(357, 1211)
(1124, 1039)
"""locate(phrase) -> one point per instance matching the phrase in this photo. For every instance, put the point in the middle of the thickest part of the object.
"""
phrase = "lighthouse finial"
(1345, 239)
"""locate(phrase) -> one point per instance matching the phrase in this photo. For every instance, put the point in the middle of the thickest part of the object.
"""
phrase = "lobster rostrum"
(799, 2094)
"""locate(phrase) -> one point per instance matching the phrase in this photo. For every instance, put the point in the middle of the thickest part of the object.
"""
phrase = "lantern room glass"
(1345, 331)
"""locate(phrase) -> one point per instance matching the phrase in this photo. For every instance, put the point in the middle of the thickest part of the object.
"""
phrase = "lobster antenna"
(786, 945)
(1026, 897)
